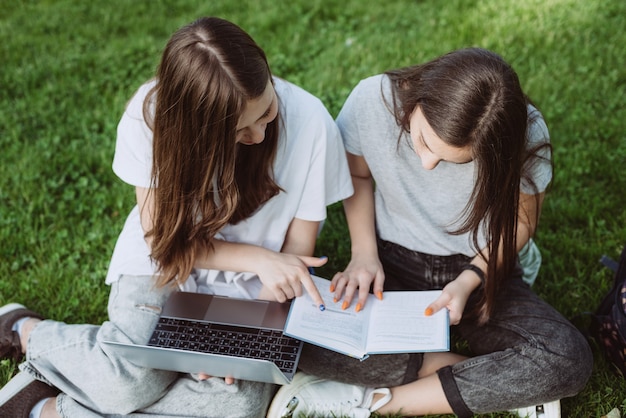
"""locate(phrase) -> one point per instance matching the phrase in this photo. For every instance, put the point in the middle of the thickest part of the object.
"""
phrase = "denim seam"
(59, 348)
(59, 404)
(30, 369)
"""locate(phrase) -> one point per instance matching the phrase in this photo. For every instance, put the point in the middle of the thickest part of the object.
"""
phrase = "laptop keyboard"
(263, 344)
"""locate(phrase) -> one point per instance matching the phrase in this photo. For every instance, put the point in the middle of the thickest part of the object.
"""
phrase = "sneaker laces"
(353, 408)
(344, 408)
(369, 397)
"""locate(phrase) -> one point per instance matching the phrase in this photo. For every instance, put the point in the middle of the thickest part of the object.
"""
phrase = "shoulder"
(134, 107)
(370, 100)
(301, 110)
(372, 86)
(537, 128)
(369, 96)
(295, 96)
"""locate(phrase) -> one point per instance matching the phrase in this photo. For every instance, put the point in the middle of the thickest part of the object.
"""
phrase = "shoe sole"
(550, 410)
(287, 392)
(15, 386)
(10, 308)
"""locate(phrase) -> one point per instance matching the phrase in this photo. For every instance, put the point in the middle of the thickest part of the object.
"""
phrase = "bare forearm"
(359, 209)
(230, 256)
(301, 237)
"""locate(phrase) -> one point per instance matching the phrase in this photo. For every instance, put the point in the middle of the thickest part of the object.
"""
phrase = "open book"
(396, 324)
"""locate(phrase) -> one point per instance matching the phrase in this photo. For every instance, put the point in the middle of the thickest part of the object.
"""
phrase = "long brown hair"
(472, 97)
(201, 178)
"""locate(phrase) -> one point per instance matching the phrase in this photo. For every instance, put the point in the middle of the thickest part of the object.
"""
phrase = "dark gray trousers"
(527, 354)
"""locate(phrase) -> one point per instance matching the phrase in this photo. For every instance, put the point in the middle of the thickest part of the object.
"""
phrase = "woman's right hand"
(284, 275)
(358, 276)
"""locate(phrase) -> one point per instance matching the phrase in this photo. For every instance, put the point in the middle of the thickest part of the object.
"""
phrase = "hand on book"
(453, 297)
(358, 276)
(283, 276)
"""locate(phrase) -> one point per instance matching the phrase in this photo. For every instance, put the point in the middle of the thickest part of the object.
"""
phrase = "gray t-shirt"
(415, 207)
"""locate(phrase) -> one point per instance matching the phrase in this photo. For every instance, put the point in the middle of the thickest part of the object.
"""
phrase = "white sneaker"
(547, 410)
(315, 397)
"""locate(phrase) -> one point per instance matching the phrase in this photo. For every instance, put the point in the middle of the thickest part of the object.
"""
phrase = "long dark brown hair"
(472, 97)
(202, 179)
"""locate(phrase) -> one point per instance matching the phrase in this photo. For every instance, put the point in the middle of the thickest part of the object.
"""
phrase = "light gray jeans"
(97, 383)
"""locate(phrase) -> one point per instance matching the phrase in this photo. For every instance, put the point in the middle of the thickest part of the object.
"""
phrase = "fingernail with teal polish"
(324, 257)
(322, 307)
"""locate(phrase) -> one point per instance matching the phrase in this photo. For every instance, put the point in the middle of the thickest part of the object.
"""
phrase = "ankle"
(25, 330)
(49, 409)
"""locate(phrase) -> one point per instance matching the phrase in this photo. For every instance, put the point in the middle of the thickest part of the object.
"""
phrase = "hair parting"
(201, 178)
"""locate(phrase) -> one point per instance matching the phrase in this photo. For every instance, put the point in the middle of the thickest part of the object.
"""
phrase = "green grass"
(68, 67)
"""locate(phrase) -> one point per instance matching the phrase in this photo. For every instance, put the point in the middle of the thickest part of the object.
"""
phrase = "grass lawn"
(69, 66)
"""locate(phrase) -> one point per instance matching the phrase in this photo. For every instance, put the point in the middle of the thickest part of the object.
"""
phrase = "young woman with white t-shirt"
(233, 170)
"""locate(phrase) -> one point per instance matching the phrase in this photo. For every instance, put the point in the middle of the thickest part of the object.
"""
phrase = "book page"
(344, 331)
(398, 324)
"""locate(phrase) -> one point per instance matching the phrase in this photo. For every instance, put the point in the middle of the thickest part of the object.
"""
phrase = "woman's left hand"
(454, 296)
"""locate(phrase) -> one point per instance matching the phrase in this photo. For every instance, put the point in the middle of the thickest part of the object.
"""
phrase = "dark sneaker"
(10, 346)
(21, 394)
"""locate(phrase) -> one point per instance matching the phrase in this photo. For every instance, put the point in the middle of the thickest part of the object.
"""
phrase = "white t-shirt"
(310, 167)
(416, 207)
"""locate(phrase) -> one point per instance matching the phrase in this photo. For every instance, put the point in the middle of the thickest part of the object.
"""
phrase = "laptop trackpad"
(233, 311)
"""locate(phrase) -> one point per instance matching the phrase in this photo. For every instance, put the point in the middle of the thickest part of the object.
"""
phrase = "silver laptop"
(219, 336)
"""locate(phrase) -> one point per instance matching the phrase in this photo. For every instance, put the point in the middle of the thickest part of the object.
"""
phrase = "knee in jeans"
(574, 362)
(255, 400)
(123, 402)
(128, 395)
